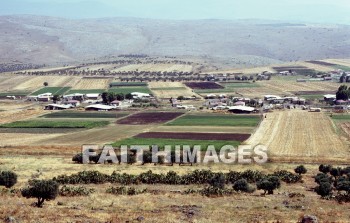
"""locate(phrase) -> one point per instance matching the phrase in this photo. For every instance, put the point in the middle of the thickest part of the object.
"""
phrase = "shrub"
(324, 189)
(241, 185)
(217, 181)
(8, 179)
(124, 191)
(325, 168)
(300, 170)
(287, 177)
(268, 184)
(43, 190)
(343, 186)
(335, 172)
(214, 191)
(75, 191)
(322, 177)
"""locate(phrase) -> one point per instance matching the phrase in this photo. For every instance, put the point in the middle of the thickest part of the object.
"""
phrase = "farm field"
(230, 87)
(127, 90)
(35, 82)
(53, 90)
(145, 118)
(216, 120)
(8, 83)
(204, 129)
(294, 134)
(92, 83)
(194, 136)
(170, 89)
(342, 62)
(84, 91)
(42, 123)
(20, 114)
(161, 142)
(203, 85)
(70, 114)
(154, 67)
(127, 84)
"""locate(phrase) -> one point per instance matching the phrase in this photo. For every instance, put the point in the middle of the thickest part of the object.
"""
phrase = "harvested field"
(170, 89)
(69, 114)
(323, 63)
(43, 123)
(203, 85)
(346, 128)
(300, 134)
(342, 62)
(317, 67)
(101, 136)
(24, 139)
(84, 91)
(145, 118)
(155, 68)
(53, 90)
(92, 83)
(216, 120)
(313, 92)
(36, 82)
(194, 136)
(15, 115)
(230, 87)
(9, 82)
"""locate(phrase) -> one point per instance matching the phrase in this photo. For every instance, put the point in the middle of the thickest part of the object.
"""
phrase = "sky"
(313, 11)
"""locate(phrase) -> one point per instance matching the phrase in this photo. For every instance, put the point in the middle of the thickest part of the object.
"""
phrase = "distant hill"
(39, 39)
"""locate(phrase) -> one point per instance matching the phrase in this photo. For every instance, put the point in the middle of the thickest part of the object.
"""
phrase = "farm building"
(341, 102)
(57, 107)
(74, 103)
(241, 109)
(140, 95)
(210, 96)
(93, 96)
(329, 97)
(116, 103)
(271, 97)
(99, 107)
(76, 96)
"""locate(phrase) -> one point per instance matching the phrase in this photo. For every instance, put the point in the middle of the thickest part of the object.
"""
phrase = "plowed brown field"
(300, 134)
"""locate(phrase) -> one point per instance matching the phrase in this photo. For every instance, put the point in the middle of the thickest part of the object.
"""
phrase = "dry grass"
(93, 83)
(170, 89)
(300, 134)
(36, 82)
(155, 67)
(203, 129)
(166, 206)
(9, 82)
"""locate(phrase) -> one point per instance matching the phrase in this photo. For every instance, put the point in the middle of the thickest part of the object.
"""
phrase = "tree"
(55, 98)
(344, 186)
(104, 97)
(129, 96)
(120, 97)
(325, 168)
(300, 170)
(241, 185)
(324, 189)
(335, 172)
(268, 184)
(343, 93)
(110, 97)
(8, 179)
(46, 84)
(43, 190)
(180, 98)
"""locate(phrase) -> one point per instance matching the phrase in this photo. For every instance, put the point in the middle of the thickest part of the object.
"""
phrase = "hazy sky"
(317, 11)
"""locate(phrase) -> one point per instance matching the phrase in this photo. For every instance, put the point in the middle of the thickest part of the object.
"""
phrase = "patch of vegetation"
(122, 190)
(128, 90)
(85, 91)
(229, 87)
(130, 84)
(168, 89)
(43, 190)
(342, 67)
(8, 179)
(71, 191)
(216, 120)
(55, 124)
(218, 144)
(53, 90)
(312, 96)
(69, 114)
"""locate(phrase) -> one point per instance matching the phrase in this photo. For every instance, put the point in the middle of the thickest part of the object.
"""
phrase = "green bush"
(241, 185)
(43, 190)
(300, 170)
(70, 191)
(268, 184)
(8, 179)
(124, 190)
(324, 189)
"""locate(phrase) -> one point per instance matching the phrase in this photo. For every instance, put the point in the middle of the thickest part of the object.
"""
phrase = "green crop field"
(169, 88)
(55, 124)
(216, 120)
(127, 84)
(127, 90)
(84, 91)
(69, 114)
(53, 90)
(342, 67)
(172, 142)
(312, 96)
(229, 87)
(341, 118)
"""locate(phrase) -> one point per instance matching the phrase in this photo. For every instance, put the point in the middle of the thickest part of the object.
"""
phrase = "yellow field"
(33, 83)
(92, 83)
(155, 67)
(9, 82)
(300, 134)
(168, 92)
(344, 62)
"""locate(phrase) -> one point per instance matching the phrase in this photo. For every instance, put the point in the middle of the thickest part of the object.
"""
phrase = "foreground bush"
(8, 179)
(43, 190)
(125, 191)
(268, 184)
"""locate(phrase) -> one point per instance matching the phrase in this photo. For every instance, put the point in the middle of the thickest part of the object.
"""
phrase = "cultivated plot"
(299, 134)
(170, 89)
(92, 83)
